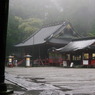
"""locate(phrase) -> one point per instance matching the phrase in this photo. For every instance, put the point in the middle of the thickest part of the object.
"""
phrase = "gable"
(64, 35)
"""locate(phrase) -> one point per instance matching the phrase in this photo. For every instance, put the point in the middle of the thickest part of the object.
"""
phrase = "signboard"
(64, 63)
(85, 62)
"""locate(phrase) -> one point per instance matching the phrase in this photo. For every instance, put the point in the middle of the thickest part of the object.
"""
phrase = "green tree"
(19, 29)
(27, 16)
(92, 30)
(28, 26)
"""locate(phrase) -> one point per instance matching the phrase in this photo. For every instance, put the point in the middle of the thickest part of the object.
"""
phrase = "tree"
(28, 26)
(19, 29)
(27, 16)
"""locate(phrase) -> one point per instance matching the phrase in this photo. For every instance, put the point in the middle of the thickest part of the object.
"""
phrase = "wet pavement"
(50, 81)
(17, 90)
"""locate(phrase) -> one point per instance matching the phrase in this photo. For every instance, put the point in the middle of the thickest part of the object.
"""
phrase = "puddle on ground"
(63, 89)
(17, 77)
(22, 91)
(36, 80)
(32, 92)
(58, 92)
(80, 94)
(15, 87)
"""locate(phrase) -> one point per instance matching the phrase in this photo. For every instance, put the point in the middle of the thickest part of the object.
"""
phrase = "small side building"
(79, 52)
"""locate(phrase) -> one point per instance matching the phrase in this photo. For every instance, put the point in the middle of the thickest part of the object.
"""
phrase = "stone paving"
(53, 80)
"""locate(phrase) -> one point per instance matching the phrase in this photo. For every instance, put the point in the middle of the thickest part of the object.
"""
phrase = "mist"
(27, 16)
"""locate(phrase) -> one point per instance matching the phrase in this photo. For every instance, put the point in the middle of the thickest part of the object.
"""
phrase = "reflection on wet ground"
(15, 87)
(36, 80)
(63, 89)
(51, 81)
(22, 91)
(17, 90)
(80, 94)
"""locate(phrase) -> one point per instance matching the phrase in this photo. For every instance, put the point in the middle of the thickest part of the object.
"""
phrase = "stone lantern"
(10, 60)
(27, 58)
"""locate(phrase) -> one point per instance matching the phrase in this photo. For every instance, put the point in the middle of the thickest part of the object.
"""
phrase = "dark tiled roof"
(40, 36)
(51, 34)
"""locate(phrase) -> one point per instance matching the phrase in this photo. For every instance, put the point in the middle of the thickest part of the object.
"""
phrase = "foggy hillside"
(27, 16)
(80, 13)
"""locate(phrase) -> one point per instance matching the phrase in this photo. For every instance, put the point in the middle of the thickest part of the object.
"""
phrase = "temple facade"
(39, 43)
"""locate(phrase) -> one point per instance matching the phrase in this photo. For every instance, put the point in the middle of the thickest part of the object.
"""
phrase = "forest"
(27, 16)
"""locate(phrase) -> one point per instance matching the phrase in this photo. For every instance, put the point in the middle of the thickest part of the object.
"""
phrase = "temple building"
(47, 38)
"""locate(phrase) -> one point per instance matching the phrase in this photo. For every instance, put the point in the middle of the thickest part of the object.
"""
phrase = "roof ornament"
(50, 36)
(64, 23)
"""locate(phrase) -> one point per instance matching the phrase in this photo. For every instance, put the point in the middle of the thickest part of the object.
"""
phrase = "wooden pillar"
(3, 32)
